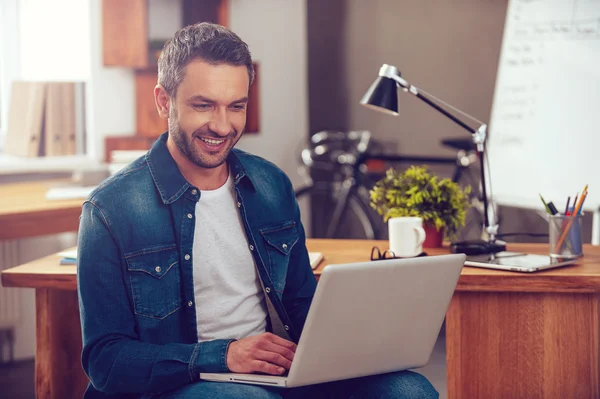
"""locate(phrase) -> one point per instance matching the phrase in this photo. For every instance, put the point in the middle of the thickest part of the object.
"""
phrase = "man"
(193, 259)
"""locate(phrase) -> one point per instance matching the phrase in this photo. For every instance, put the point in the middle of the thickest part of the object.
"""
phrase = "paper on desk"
(72, 254)
(315, 259)
(74, 192)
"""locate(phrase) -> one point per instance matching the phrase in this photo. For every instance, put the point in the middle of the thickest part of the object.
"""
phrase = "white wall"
(55, 39)
(275, 30)
(447, 48)
(110, 95)
(9, 61)
(164, 18)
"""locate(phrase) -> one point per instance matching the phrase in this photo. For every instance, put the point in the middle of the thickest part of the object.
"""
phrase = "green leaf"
(417, 192)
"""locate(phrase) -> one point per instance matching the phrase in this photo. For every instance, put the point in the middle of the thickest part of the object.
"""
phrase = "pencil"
(568, 203)
(566, 231)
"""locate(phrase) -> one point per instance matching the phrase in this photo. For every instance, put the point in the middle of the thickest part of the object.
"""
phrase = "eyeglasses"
(376, 254)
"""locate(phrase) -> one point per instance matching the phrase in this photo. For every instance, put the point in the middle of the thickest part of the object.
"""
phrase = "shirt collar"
(168, 179)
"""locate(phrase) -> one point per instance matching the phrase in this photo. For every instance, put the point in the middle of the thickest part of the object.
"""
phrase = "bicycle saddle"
(460, 144)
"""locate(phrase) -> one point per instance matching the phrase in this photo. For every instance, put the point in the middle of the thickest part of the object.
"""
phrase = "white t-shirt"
(229, 297)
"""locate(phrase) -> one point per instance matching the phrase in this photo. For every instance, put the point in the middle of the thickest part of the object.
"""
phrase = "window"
(42, 40)
(9, 59)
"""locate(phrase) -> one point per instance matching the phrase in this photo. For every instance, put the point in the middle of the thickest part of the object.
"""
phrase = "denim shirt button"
(251, 247)
(284, 246)
(239, 204)
(194, 191)
(190, 303)
(158, 269)
(190, 216)
(267, 290)
(187, 256)
(286, 327)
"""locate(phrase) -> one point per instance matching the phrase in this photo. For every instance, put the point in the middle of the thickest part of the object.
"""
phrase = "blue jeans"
(400, 385)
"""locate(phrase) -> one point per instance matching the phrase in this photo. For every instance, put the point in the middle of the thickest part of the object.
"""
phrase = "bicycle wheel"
(355, 221)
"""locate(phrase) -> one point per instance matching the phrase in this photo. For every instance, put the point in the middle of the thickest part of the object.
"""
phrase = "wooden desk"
(508, 335)
(25, 211)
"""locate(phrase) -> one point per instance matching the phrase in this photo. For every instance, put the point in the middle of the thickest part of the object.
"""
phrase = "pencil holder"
(565, 236)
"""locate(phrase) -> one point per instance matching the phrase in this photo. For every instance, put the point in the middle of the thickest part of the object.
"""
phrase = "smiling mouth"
(214, 142)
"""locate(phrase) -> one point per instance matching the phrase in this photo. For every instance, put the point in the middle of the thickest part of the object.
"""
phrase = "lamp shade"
(382, 96)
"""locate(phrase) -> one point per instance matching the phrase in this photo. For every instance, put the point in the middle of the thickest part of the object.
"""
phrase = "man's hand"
(264, 353)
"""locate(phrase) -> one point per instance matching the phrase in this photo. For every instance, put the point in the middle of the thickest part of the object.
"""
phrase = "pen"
(570, 223)
(568, 203)
(553, 210)
(545, 204)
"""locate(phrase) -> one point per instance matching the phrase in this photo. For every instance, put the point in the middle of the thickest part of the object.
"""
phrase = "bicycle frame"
(358, 179)
(460, 168)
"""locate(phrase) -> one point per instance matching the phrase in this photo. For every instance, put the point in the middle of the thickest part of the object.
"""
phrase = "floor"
(17, 379)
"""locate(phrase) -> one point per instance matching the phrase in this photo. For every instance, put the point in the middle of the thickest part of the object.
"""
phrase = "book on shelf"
(46, 119)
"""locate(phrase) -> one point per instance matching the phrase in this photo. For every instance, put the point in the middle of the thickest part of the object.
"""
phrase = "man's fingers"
(280, 341)
(274, 358)
(267, 368)
(282, 350)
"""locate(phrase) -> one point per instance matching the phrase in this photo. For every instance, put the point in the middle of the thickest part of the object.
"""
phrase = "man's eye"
(202, 106)
(239, 107)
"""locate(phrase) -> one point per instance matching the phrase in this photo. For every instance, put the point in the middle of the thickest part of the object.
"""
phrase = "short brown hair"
(210, 42)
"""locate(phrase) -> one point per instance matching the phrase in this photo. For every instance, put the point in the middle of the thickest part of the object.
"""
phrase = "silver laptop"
(518, 262)
(368, 318)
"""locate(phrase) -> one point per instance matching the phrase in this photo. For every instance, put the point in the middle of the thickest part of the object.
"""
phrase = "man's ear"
(163, 101)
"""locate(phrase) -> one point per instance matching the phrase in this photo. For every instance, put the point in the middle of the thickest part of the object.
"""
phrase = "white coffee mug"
(406, 236)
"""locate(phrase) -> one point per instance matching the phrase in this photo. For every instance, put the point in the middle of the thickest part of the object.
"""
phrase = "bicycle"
(347, 160)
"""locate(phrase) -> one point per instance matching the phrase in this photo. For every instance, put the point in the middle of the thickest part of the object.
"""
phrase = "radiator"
(10, 301)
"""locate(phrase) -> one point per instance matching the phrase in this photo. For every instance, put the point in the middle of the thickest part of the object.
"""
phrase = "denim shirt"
(135, 282)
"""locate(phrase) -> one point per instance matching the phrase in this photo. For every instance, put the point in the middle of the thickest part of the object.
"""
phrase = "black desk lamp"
(382, 96)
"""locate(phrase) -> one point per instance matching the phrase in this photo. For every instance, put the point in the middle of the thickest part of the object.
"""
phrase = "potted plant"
(441, 203)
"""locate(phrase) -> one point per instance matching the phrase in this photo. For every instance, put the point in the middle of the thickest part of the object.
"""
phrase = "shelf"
(12, 165)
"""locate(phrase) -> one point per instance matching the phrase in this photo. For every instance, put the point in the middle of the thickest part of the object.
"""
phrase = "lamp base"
(477, 247)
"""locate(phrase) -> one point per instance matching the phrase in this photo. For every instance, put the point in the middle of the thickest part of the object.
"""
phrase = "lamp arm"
(478, 135)
(409, 88)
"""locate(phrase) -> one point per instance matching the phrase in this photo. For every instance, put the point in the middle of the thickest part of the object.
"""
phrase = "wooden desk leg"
(58, 370)
(523, 345)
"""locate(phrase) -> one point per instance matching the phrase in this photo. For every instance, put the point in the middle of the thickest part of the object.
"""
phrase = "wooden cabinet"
(125, 33)
(126, 37)
(127, 43)
(148, 122)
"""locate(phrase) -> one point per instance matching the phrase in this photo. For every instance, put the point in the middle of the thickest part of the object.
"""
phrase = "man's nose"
(220, 123)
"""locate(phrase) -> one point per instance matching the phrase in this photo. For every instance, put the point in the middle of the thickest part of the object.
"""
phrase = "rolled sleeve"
(210, 357)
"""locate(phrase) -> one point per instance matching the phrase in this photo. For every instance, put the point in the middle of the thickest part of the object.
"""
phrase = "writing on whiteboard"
(543, 134)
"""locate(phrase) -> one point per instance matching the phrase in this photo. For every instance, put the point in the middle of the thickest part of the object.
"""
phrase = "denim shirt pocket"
(279, 239)
(155, 278)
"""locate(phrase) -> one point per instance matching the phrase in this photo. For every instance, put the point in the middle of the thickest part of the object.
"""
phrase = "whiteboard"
(544, 134)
